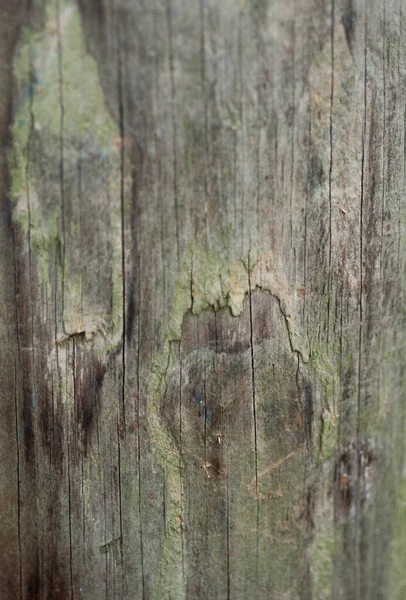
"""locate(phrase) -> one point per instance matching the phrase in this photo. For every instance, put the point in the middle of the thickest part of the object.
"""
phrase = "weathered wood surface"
(202, 321)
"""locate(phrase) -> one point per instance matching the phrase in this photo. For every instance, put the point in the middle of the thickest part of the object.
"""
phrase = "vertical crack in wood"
(20, 558)
(228, 532)
(242, 124)
(401, 77)
(139, 438)
(122, 212)
(82, 490)
(28, 193)
(205, 463)
(174, 127)
(181, 470)
(235, 155)
(292, 150)
(120, 504)
(81, 222)
(258, 118)
(330, 171)
(383, 200)
(308, 173)
(401, 229)
(123, 279)
(69, 511)
(206, 114)
(254, 410)
(104, 496)
(160, 199)
(61, 153)
(16, 408)
(357, 557)
(164, 492)
(302, 406)
(340, 404)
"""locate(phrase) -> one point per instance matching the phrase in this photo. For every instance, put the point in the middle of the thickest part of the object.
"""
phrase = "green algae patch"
(206, 280)
(217, 280)
(55, 76)
(65, 157)
(170, 569)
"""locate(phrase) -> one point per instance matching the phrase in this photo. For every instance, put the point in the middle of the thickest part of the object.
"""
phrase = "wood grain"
(202, 288)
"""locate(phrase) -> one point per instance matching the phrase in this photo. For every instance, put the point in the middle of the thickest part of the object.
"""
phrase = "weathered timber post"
(202, 323)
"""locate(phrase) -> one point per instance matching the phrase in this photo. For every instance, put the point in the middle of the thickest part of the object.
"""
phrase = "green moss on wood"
(60, 100)
(170, 574)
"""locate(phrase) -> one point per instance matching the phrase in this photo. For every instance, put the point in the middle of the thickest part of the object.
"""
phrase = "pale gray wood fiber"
(202, 324)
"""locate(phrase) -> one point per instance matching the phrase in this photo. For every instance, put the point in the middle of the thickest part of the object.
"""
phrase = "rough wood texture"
(202, 325)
